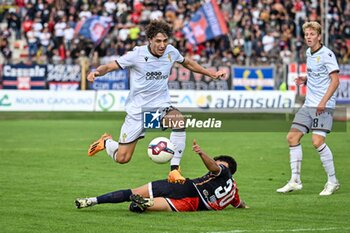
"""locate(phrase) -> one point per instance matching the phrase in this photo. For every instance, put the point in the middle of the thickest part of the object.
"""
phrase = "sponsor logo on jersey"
(156, 75)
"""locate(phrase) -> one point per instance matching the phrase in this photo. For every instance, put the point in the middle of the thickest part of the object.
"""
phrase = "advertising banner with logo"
(11, 100)
(115, 80)
(343, 91)
(184, 79)
(63, 77)
(233, 101)
(211, 101)
(253, 78)
(109, 101)
(24, 77)
(294, 70)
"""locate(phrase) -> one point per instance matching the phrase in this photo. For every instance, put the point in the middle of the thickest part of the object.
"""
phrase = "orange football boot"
(98, 145)
(176, 177)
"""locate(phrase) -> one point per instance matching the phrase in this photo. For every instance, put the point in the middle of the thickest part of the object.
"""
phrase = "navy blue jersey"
(217, 191)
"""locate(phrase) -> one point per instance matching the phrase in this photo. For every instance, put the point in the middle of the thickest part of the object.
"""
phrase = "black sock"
(173, 167)
(115, 197)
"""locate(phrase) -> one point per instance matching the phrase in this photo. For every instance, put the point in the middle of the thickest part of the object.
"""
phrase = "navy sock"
(115, 197)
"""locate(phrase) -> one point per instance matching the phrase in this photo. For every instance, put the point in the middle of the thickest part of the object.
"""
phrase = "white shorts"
(133, 127)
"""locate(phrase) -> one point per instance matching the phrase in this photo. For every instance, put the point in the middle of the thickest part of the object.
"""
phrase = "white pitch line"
(284, 230)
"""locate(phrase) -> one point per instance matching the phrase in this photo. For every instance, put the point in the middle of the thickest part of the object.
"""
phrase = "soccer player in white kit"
(317, 112)
(150, 66)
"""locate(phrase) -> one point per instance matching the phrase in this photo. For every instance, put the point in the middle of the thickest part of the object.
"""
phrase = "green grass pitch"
(44, 166)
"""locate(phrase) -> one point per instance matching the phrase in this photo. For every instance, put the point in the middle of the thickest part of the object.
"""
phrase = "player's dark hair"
(158, 26)
(232, 165)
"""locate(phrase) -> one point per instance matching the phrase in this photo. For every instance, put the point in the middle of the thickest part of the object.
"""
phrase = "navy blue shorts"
(162, 188)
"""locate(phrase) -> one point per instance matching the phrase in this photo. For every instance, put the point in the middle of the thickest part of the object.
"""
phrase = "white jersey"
(319, 65)
(148, 77)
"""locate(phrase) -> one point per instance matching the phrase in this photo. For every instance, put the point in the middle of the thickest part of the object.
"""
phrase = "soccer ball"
(161, 150)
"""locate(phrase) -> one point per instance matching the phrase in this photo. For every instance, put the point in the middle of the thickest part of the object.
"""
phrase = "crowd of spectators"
(260, 31)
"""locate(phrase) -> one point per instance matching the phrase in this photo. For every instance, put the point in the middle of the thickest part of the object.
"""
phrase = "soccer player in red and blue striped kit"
(213, 191)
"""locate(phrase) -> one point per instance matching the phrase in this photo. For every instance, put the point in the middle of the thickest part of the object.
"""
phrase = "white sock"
(326, 157)
(179, 140)
(111, 147)
(296, 156)
(93, 200)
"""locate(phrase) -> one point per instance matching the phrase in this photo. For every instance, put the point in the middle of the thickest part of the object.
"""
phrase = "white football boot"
(289, 187)
(330, 188)
(83, 203)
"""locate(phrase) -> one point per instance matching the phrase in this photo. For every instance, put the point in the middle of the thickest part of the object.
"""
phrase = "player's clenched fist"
(220, 74)
(92, 75)
(300, 80)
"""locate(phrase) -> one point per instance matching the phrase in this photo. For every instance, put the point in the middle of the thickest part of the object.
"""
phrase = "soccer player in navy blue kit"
(214, 191)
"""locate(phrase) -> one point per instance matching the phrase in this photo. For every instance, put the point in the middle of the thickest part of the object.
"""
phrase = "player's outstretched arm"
(195, 67)
(102, 70)
(208, 162)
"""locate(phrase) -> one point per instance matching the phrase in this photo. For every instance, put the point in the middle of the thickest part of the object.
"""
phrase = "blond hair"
(313, 25)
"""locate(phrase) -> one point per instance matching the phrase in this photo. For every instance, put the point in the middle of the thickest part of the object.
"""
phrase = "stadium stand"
(260, 31)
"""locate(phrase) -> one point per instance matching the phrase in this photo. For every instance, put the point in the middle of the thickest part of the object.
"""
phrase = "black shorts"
(162, 188)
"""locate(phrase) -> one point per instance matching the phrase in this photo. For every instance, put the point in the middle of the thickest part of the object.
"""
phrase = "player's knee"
(122, 158)
(317, 141)
(292, 139)
(181, 121)
(179, 130)
(175, 120)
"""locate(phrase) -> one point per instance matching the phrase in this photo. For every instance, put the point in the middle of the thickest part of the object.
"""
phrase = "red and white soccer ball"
(161, 150)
